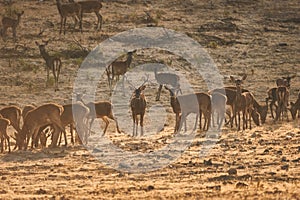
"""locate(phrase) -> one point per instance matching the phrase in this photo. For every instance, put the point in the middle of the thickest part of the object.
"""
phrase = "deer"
(282, 96)
(90, 6)
(218, 101)
(138, 105)
(120, 67)
(198, 103)
(4, 123)
(237, 104)
(44, 115)
(75, 114)
(13, 114)
(53, 63)
(68, 10)
(295, 107)
(8, 22)
(166, 79)
(100, 109)
(284, 81)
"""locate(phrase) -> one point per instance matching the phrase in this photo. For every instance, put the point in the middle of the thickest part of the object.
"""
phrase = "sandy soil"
(259, 37)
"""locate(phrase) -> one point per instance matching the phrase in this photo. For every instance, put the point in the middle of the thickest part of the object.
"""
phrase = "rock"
(285, 167)
(232, 171)
(41, 191)
(241, 185)
(207, 162)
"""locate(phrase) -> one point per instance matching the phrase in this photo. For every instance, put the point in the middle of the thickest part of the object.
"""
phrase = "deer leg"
(65, 21)
(158, 93)
(106, 124)
(142, 124)
(71, 132)
(196, 122)
(183, 118)
(117, 124)
(61, 24)
(133, 125)
(99, 23)
(177, 118)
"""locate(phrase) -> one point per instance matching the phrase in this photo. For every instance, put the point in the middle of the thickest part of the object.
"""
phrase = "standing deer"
(272, 93)
(100, 109)
(295, 107)
(47, 114)
(282, 96)
(218, 101)
(120, 67)
(198, 103)
(237, 105)
(166, 79)
(90, 6)
(53, 63)
(13, 114)
(4, 123)
(8, 22)
(68, 10)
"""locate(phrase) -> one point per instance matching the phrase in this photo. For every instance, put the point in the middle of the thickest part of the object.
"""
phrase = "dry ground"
(259, 37)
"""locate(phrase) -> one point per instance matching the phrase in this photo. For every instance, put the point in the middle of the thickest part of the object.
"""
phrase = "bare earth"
(258, 37)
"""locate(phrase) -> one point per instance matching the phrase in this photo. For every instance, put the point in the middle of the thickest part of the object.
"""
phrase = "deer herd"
(51, 119)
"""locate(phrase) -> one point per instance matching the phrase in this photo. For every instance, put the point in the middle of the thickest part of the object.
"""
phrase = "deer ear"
(142, 87)
(232, 78)
(292, 103)
(244, 77)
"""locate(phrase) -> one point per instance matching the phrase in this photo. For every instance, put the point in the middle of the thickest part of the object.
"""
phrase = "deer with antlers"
(90, 6)
(138, 105)
(53, 63)
(164, 78)
(68, 10)
(8, 22)
(100, 109)
(44, 115)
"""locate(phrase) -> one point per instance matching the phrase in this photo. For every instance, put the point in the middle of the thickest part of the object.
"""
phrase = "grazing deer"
(237, 105)
(282, 96)
(218, 102)
(8, 22)
(47, 114)
(262, 110)
(120, 67)
(53, 63)
(295, 107)
(13, 114)
(166, 79)
(68, 10)
(90, 6)
(100, 109)
(199, 103)
(4, 123)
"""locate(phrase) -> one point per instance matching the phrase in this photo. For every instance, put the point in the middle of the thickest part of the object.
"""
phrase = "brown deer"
(237, 105)
(75, 115)
(53, 63)
(100, 109)
(295, 107)
(68, 10)
(218, 101)
(90, 6)
(13, 114)
(198, 103)
(4, 123)
(166, 79)
(47, 114)
(120, 67)
(282, 96)
(272, 93)
(8, 22)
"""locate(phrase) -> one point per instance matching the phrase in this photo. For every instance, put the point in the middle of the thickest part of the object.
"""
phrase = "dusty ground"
(260, 38)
